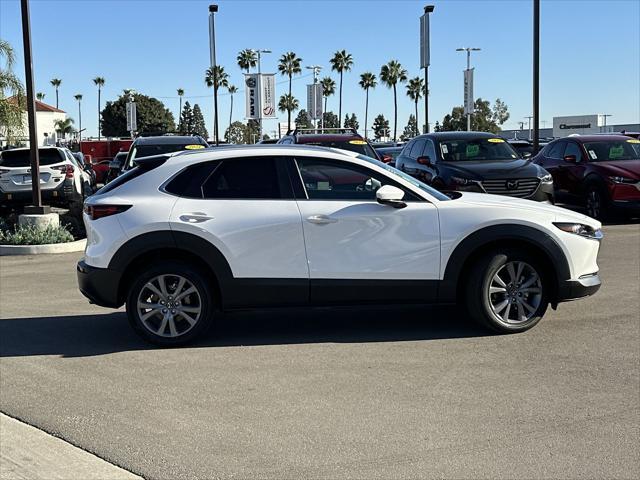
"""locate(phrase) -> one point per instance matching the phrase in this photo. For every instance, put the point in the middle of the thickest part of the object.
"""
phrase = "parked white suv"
(63, 182)
(183, 236)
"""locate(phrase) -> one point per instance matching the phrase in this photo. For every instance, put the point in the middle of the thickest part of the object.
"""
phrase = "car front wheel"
(507, 291)
(170, 304)
(596, 203)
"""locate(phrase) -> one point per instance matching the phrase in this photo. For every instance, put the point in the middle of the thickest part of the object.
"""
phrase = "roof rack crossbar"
(322, 130)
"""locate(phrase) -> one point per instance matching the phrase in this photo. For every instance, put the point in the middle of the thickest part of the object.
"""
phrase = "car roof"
(597, 138)
(170, 140)
(458, 135)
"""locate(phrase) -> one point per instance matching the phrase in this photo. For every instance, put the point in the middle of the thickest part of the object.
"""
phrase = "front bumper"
(543, 193)
(583, 287)
(100, 285)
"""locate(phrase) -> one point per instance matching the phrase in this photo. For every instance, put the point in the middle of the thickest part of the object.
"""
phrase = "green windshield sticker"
(616, 151)
(473, 150)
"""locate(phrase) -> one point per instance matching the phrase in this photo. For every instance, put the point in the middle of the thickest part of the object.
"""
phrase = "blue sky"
(590, 51)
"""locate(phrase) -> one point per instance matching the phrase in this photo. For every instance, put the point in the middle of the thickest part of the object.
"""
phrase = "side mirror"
(387, 158)
(424, 161)
(570, 158)
(390, 195)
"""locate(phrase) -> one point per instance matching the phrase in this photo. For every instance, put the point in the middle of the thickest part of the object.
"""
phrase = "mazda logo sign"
(511, 184)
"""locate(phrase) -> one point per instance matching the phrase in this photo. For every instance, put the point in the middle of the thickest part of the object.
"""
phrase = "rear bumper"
(62, 194)
(99, 285)
(583, 287)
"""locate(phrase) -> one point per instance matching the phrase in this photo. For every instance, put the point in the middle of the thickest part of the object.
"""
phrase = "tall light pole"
(316, 71)
(469, 50)
(259, 52)
(605, 115)
(37, 207)
(536, 76)
(529, 117)
(425, 60)
(212, 50)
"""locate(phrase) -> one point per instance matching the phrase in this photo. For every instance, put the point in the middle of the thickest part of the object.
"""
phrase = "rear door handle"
(195, 217)
(321, 219)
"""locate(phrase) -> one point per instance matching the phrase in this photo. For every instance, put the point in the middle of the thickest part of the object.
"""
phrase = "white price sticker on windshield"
(593, 155)
(445, 150)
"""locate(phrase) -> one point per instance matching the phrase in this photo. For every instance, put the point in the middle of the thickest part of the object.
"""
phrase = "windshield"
(139, 151)
(407, 178)
(613, 150)
(22, 158)
(477, 149)
(353, 145)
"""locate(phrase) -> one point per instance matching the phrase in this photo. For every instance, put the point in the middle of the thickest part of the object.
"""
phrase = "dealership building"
(574, 125)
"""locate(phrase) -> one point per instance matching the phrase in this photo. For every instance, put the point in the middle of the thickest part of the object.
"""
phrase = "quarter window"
(417, 149)
(556, 150)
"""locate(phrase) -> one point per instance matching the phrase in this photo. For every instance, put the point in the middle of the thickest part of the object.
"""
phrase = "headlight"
(580, 229)
(546, 178)
(622, 180)
(461, 181)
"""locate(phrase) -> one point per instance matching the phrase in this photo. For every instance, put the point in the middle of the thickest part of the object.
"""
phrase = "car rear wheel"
(170, 304)
(507, 291)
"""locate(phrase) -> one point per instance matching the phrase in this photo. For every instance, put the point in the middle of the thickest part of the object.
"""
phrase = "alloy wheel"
(515, 293)
(594, 204)
(169, 305)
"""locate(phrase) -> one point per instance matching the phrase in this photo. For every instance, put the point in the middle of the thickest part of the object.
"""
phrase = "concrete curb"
(76, 246)
(29, 453)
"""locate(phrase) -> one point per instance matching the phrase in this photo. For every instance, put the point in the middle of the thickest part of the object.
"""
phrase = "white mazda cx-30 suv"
(183, 236)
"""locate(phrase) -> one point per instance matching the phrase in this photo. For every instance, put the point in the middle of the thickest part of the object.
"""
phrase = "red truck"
(99, 153)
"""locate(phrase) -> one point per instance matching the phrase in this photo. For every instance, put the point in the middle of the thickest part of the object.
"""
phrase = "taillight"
(94, 212)
(66, 169)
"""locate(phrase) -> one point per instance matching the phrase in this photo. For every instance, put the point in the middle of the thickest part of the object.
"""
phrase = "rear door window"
(573, 149)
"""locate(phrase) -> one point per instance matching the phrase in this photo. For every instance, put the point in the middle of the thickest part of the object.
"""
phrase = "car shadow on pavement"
(90, 335)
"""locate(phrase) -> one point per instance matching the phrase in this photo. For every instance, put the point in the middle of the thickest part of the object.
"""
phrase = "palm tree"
(415, 89)
(56, 83)
(78, 97)
(391, 74)
(216, 78)
(180, 94)
(328, 89)
(289, 65)
(40, 96)
(367, 81)
(288, 103)
(63, 127)
(99, 82)
(8, 80)
(247, 59)
(232, 89)
(11, 114)
(341, 62)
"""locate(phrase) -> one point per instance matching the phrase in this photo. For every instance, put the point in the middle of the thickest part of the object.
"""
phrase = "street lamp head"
(460, 49)
(429, 8)
(213, 8)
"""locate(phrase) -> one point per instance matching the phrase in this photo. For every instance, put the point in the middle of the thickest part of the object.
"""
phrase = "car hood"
(522, 206)
(516, 168)
(623, 168)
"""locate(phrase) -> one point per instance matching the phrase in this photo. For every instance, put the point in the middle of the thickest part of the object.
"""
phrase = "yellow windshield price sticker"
(495, 140)
(193, 147)
(357, 142)
(633, 140)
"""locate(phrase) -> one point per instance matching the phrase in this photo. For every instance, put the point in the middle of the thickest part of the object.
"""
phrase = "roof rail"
(323, 130)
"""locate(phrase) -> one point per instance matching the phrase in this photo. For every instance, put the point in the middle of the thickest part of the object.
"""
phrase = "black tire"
(481, 304)
(202, 299)
(597, 202)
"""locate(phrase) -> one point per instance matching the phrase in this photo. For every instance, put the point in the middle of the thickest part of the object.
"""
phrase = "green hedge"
(30, 235)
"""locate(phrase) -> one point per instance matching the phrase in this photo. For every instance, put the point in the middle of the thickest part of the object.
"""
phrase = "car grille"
(513, 187)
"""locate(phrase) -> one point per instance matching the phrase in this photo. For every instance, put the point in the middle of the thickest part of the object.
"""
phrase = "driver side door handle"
(321, 219)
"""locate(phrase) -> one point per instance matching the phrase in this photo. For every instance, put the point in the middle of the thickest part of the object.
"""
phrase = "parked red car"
(601, 172)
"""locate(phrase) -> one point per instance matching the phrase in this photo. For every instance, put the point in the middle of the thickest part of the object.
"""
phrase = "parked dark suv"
(475, 162)
(343, 138)
(148, 146)
(601, 172)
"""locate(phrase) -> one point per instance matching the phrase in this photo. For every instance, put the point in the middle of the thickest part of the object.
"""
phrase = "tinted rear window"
(140, 151)
(22, 158)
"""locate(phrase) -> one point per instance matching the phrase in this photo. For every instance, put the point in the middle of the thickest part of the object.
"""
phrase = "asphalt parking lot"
(374, 393)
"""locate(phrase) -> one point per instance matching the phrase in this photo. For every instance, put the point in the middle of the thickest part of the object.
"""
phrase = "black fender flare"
(190, 244)
(501, 233)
